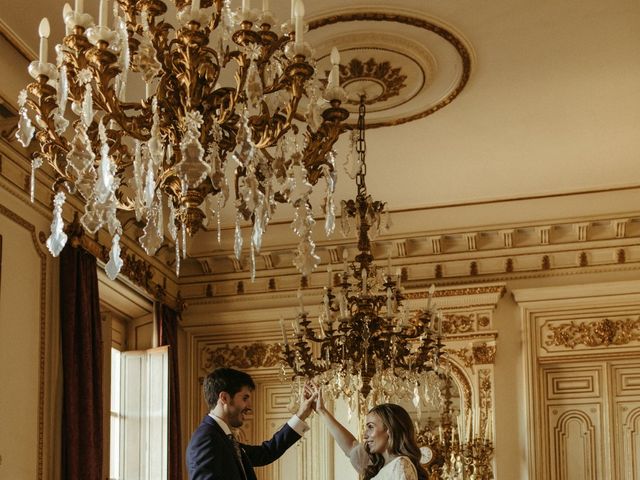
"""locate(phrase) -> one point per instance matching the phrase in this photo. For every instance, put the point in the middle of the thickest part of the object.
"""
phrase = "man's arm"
(290, 433)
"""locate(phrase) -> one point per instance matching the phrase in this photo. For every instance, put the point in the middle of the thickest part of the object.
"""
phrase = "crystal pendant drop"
(106, 170)
(171, 224)
(63, 90)
(113, 266)
(57, 239)
(150, 240)
(60, 123)
(160, 223)
(149, 186)
(156, 149)
(184, 241)
(253, 88)
(36, 163)
(25, 131)
(177, 256)
(237, 244)
(138, 181)
(87, 106)
(92, 219)
(253, 263)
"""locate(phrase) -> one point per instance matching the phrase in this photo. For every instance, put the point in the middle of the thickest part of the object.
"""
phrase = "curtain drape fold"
(168, 327)
(81, 342)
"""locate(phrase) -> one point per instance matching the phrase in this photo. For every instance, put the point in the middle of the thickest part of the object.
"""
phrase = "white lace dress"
(400, 468)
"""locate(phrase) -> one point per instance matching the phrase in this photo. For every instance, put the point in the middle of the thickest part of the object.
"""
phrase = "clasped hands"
(311, 400)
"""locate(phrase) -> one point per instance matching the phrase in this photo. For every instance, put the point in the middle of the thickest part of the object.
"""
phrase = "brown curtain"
(168, 326)
(81, 339)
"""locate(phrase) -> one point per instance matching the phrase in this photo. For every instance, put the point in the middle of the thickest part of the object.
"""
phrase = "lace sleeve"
(359, 458)
(404, 469)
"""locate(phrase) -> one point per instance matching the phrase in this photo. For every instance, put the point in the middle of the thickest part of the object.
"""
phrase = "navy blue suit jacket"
(210, 454)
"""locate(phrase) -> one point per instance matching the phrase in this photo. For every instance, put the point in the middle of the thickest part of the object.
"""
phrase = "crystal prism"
(237, 244)
(36, 163)
(106, 171)
(150, 240)
(57, 239)
(113, 266)
(25, 131)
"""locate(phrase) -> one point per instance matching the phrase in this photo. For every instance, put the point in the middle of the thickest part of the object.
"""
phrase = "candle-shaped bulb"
(265, 5)
(103, 14)
(432, 289)
(43, 31)
(300, 302)
(335, 56)
(389, 302)
(66, 11)
(334, 74)
(195, 5)
(79, 7)
(246, 6)
(299, 16)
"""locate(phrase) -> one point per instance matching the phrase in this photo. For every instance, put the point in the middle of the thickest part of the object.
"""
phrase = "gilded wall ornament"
(464, 354)
(464, 323)
(137, 270)
(594, 334)
(255, 355)
(485, 397)
(484, 354)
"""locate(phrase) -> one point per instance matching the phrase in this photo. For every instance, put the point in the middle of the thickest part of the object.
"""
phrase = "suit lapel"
(226, 444)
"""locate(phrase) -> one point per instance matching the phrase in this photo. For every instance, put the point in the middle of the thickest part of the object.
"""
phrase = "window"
(139, 414)
(114, 443)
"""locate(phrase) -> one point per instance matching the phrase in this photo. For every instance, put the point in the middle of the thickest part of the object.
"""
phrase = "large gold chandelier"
(368, 348)
(174, 156)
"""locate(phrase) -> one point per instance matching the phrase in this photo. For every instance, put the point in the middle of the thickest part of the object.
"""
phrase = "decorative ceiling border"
(442, 32)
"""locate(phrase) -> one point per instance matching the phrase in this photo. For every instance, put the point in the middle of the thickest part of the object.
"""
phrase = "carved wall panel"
(584, 380)
(574, 447)
(626, 418)
(574, 410)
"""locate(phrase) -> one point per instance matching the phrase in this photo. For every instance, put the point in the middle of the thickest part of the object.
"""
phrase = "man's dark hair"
(225, 380)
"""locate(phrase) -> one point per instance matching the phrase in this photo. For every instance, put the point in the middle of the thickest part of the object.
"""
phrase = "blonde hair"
(402, 439)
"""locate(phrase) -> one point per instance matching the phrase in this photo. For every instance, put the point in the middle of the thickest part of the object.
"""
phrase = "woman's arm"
(343, 437)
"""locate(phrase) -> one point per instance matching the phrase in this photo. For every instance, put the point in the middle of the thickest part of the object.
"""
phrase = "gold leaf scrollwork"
(255, 355)
(484, 354)
(486, 404)
(600, 333)
(391, 79)
(463, 354)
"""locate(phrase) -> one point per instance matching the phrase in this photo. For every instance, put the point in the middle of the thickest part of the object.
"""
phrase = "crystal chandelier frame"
(368, 348)
(176, 156)
(461, 455)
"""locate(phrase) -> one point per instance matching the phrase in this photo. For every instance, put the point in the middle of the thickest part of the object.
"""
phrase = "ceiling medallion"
(406, 71)
(388, 81)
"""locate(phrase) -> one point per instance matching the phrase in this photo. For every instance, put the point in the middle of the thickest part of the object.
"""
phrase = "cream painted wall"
(29, 357)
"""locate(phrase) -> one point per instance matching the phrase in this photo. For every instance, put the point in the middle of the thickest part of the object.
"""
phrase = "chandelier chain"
(361, 149)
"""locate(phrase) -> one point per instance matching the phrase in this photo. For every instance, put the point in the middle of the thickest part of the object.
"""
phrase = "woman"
(390, 450)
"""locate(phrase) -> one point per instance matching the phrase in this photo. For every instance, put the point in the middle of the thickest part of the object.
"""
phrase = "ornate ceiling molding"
(432, 91)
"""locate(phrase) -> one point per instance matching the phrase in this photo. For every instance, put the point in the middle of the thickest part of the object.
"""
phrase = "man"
(214, 453)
